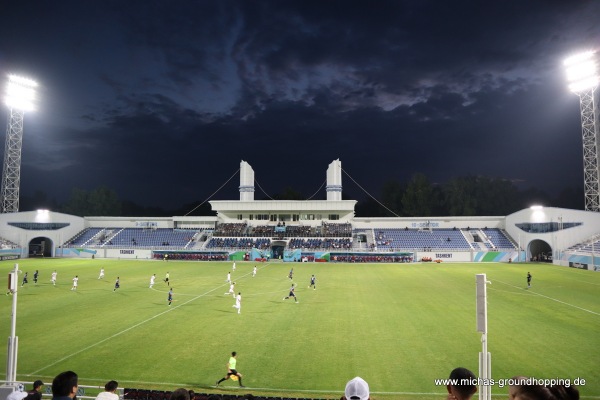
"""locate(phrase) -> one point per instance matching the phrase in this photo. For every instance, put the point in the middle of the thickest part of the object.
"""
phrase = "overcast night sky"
(160, 100)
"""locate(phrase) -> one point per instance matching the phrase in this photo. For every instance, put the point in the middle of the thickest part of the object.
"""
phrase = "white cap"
(357, 389)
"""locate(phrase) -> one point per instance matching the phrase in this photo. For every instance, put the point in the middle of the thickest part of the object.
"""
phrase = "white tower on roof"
(246, 182)
(334, 181)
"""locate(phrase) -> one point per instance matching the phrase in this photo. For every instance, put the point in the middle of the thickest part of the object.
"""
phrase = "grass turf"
(399, 326)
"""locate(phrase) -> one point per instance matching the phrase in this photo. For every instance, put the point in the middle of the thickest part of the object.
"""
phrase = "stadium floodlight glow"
(582, 75)
(20, 96)
(20, 93)
(582, 72)
(537, 208)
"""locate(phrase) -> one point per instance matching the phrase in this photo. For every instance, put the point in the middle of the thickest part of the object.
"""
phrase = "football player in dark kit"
(292, 294)
(313, 282)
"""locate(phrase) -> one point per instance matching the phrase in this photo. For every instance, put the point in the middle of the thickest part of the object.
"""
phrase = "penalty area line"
(106, 339)
(551, 298)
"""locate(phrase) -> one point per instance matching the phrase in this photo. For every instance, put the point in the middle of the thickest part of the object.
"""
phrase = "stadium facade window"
(40, 226)
(239, 217)
(273, 217)
(334, 217)
(295, 217)
(546, 227)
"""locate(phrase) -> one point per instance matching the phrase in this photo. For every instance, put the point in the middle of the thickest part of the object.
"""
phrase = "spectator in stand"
(524, 388)
(562, 392)
(18, 394)
(36, 393)
(64, 386)
(180, 394)
(356, 389)
(109, 391)
(530, 392)
(462, 390)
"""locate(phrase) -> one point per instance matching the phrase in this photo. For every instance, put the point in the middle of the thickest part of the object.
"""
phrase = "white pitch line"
(509, 291)
(127, 329)
(551, 298)
(566, 269)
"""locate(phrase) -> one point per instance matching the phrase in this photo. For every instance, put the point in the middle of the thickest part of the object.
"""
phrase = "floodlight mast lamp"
(582, 74)
(20, 94)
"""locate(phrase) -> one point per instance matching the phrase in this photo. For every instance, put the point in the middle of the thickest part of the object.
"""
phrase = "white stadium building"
(312, 230)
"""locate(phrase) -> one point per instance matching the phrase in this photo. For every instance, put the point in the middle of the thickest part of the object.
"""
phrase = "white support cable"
(209, 197)
(369, 194)
(314, 194)
(321, 187)
(263, 190)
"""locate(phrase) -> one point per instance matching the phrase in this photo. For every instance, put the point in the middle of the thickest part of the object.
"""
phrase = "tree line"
(462, 196)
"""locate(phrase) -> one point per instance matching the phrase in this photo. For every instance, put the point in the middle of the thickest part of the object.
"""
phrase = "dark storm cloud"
(161, 100)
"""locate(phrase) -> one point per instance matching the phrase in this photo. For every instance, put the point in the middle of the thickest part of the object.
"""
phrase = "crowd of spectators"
(284, 231)
(372, 258)
(300, 231)
(239, 243)
(337, 230)
(263, 230)
(320, 243)
(460, 385)
(192, 256)
(140, 394)
(231, 229)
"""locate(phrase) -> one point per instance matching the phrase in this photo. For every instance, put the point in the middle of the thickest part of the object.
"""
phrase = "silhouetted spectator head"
(466, 383)
(562, 392)
(180, 394)
(65, 384)
(111, 386)
(523, 388)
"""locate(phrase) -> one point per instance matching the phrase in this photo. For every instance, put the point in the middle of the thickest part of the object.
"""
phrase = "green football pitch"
(398, 326)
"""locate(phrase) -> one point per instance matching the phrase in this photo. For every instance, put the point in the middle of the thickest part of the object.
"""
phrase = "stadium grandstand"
(310, 231)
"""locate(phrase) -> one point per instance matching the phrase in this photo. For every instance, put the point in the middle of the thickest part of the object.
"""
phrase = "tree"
(418, 199)
(391, 195)
(458, 195)
(78, 203)
(101, 201)
(104, 202)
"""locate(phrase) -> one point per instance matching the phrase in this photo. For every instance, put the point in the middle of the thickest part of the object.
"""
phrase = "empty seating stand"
(411, 239)
(498, 239)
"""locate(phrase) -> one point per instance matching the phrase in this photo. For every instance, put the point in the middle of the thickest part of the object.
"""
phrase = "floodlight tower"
(20, 94)
(583, 80)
